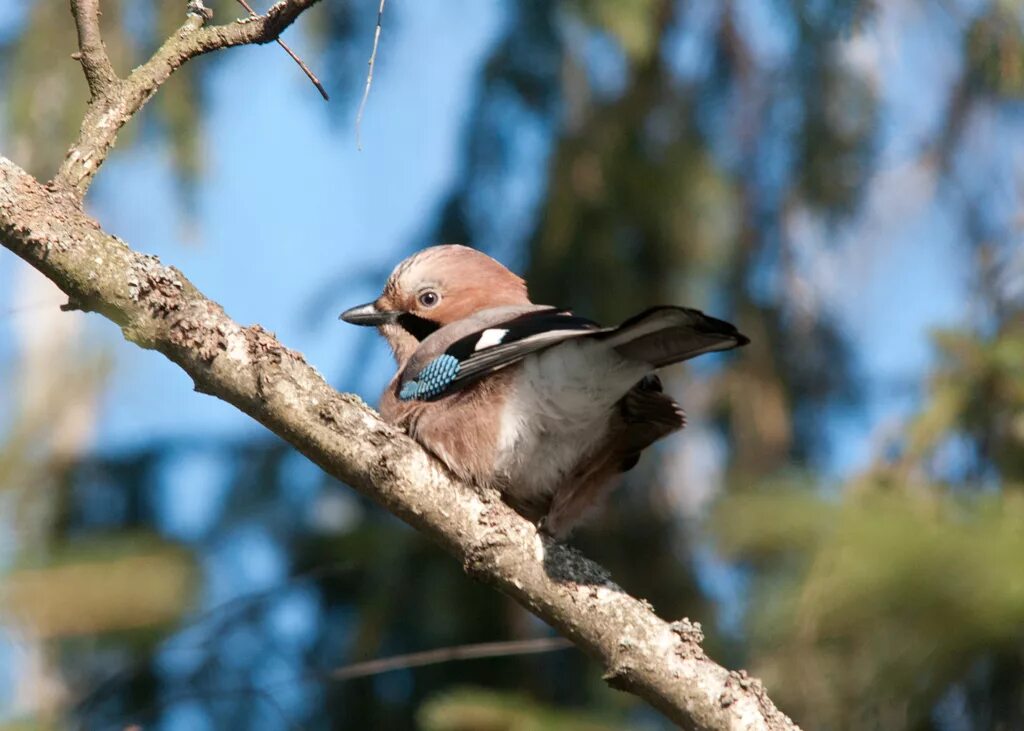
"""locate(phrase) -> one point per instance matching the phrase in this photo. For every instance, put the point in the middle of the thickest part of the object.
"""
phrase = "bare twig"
(369, 76)
(302, 64)
(475, 651)
(99, 72)
(30, 307)
(103, 120)
(479, 651)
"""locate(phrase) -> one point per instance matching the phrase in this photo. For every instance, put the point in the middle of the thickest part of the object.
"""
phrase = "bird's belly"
(559, 416)
(545, 457)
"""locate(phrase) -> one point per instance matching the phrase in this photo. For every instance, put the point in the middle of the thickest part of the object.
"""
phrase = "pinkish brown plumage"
(545, 406)
(471, 282)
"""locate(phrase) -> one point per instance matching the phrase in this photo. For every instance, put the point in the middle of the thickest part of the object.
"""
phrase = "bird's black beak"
(368, 314)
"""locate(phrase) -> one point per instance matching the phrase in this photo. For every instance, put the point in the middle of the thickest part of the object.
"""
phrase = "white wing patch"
(490, 338)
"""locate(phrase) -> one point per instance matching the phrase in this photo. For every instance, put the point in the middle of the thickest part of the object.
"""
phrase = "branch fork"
(114, 101)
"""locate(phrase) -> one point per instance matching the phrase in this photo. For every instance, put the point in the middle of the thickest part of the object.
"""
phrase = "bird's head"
(433, 288)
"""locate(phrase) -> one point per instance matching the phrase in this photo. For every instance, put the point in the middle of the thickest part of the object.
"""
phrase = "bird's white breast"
(558, 412)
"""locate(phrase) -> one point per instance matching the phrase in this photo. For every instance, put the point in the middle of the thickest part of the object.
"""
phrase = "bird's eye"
(429, 298)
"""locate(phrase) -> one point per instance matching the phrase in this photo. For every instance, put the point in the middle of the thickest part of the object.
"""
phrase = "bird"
(544, 405)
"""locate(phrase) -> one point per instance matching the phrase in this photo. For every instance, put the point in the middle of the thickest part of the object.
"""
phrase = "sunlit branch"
(99, 73)
(120, 102)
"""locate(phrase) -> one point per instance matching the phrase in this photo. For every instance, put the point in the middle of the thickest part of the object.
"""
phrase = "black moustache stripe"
(418, 327)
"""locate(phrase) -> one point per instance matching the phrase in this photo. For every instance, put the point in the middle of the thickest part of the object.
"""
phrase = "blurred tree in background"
(752, 159)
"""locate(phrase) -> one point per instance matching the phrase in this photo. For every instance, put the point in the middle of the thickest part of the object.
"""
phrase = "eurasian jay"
(546, 406)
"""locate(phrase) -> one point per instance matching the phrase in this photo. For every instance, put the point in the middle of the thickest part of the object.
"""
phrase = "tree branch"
(158, 308)
(99, 73)
(294, 56)
(476, 651)
(119, 102)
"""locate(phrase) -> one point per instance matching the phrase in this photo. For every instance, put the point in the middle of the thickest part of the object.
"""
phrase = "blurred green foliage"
(872, 604)
(977, 392)
(995, 50)
(476, 710)
(104, 585)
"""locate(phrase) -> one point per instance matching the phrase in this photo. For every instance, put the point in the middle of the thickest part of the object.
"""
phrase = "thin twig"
(475, 651)
(104, 119)
(31, 307)
(369, 76)
(302, 64)
(99, 72)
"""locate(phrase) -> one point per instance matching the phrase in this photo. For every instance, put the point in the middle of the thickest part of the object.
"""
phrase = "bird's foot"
(551, 526)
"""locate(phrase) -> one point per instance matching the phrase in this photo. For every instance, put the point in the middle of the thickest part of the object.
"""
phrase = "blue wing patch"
(479, 354)
(432, 380)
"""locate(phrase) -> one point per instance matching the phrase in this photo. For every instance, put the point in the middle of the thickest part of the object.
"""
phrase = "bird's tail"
(664, 335)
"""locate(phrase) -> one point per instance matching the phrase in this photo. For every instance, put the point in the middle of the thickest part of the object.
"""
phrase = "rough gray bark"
(156, 307)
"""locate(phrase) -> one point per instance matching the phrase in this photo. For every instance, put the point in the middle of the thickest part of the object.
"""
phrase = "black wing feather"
(658, 336)
(526, 334)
